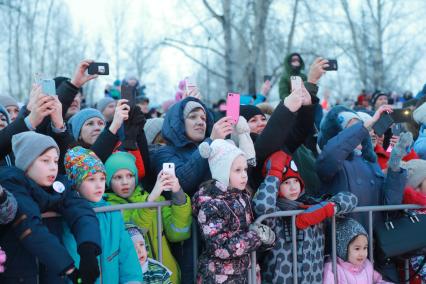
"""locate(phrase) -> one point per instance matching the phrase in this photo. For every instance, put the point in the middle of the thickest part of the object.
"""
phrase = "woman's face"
(257, 123)
(123, 183)
(195, 125)
(91, 130)
(13, 112)
(44, 169)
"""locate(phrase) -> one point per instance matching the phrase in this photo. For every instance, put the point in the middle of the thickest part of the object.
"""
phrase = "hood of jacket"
(173, 129)
(287, 64)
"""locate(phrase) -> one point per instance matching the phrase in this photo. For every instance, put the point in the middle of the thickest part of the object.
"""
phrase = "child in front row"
(352, 265)
(118, 261)
(283, 189)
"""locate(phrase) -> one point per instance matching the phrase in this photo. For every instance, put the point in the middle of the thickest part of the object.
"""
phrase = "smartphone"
(402, 115)
(98, 68)
(267, 78)
(385, 121)
(170, 169)
(128, 93)
(189, 85)
(296, 83)
(332, 65)
(48, 87)
(233, 107)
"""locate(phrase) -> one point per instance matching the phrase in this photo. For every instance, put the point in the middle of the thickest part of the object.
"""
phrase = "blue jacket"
(28, 236)
(420, 144)
(339, 169)
(118, 262)
(190, 168)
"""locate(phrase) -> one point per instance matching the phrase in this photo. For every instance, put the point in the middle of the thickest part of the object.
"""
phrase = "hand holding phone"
(98, 68)
(296, 83)
(332, 65)
(233, 107)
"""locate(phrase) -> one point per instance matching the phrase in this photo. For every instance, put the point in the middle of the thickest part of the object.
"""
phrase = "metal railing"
(294, 213)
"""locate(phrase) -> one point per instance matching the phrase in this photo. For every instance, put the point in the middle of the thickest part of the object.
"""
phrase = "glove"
(275, 164)
(315, 215)
(266, 235)
(89, 268)
(400, 150)
(132, 127)
(345, 202)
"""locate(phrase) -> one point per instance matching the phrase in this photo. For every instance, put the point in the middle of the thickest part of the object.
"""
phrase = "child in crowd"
(31, 243)
(153, 271)
(353, 266)
(283, 189)
(223, 209)
(118, 261)
(124, 188)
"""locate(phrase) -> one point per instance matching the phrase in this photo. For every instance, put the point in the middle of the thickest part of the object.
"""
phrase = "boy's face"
(358, 250)
(44, 169)
(141, 251)
(290, 189)
(93, 187)
(238, 176)
(123, 183)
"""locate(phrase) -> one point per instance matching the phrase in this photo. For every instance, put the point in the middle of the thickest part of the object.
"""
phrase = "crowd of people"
(61, 158)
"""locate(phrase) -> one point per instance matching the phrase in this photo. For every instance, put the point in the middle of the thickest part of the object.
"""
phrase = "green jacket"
(176, 221)
(285, 84)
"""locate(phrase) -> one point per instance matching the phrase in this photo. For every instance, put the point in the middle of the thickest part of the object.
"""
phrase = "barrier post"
(333, 249)
(294, 247)
(159, 235)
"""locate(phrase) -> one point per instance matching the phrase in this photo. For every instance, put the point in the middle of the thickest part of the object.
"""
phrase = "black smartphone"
(267, 78)
(98, 68)
(128, 93)
(385, 121)
(402, 115)
(332, 65)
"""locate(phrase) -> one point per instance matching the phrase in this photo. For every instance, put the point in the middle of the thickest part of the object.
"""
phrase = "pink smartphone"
(233, 107)
(296, 83)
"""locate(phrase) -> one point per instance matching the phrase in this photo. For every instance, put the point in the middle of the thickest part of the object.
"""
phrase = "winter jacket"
(285, 84)
(176, 220)
(156, 273)
(348, 273)
(277, 264)
(8, 207)
(340, 169)
(224, 215)
(191, 169)
(118, 262)
(28, 236)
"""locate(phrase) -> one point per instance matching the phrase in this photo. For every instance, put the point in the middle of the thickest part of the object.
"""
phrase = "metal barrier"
(294, 213)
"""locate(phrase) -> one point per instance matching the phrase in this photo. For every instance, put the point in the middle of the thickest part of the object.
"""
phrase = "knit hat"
(102, 104)
(364, 116)
(152, 128)
(221, 154)
(345, 116)
(28, 146)
(119, 161)
(81, 163)
(190, 106)
(347, 229)
(419, 115)
(134, 233)
(416, 172)
(376, 96)
(249, 111)
(8, 101)
(77, 121)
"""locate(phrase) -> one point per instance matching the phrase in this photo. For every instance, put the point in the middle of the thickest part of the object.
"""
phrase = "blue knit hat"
(77, 121)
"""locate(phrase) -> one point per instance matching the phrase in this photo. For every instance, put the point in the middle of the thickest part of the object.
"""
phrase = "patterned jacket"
(224, 215)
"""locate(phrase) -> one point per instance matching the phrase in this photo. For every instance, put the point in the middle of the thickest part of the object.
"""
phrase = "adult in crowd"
(293, 66)
(379, 99)
(107, 107)
(11, 106)
(4, 118)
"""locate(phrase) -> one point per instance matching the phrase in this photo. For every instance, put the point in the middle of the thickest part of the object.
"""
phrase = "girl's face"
(91, 130)
(123, 183)
(290, 189)
(195, 125)
(422, 187)
(13, 112)
(358, 250)
(93, 187)
(141, 251)
(257, 123)
(44, 169)
(238, 176)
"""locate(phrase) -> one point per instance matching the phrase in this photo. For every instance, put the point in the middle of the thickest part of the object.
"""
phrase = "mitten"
(89, 267)
(241, 137)
(345, 202)
(266, 235)
(401, 149)
(275, 164)
(132, 127)
(314, 215)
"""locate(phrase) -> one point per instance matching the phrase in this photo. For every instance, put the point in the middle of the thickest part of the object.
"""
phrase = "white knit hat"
(220, 154)
(419, 114)
(416, 172)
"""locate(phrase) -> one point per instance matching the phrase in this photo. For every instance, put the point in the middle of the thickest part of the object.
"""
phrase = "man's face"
(75, 106)
(144, 106)
(382, 100)
(295, 61)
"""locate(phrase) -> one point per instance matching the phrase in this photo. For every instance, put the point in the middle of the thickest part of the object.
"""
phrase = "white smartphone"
(170, 169)
(296, 83)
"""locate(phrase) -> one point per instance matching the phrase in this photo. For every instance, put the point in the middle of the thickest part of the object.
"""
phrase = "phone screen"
(402, 115)
(267, 78)
(98, 68)
(233, 107)
(128, 93)
(385, 121)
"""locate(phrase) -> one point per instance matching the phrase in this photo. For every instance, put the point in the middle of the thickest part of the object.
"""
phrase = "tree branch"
(216, 15)
(195, 46)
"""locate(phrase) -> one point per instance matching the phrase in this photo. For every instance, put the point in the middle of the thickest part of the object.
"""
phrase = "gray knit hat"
(102, 104)
(190, 106)
(152, 128)
(77, 121)
(27, 146)
(416, 172)
(8, 101)
(346, 230)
